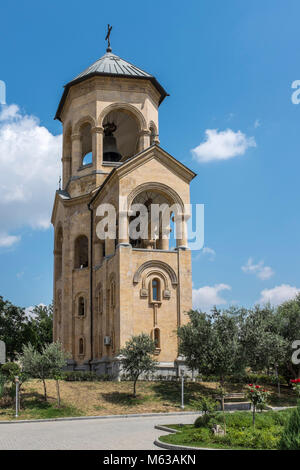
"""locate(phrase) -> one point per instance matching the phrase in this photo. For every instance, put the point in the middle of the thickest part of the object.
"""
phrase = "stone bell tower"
(107, 290)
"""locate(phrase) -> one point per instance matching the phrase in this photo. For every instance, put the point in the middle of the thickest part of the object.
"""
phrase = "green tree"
(137, 357)
(11, 370)
(14, 328)
(288, 321)
(262, 343)
(35, 365)
(290, 439)
(196, 341)
(41, 326)
(55, 356)
(210, 343)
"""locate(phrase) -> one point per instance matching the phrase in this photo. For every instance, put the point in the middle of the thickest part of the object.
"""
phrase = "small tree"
(205, 404)
(10, 371)
(56, 358)
(290, 439)
(137, 357)
(35, 365)
(14, 328)
(258, 397)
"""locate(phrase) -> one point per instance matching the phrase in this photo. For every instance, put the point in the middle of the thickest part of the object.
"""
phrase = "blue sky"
(228, 66)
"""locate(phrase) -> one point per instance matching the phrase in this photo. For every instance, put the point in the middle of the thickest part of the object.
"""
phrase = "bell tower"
(106, 290)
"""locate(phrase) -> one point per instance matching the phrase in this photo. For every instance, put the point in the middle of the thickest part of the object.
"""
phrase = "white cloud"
(257, 123)
(278, 294)
(260, 270)
(6, 241)
(207, 296)
(209, 251)
(29, 171)
(29, 310)
(206, 251)
(222, 145)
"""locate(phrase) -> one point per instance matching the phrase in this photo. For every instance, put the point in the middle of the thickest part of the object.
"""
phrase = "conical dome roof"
(111, 65)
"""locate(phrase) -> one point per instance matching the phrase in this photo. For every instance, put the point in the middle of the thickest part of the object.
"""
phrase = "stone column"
(97, 146)
(123, 228)
(165, 243)
(144, 140)
(181, 231)
(66, 164)
(76, 152)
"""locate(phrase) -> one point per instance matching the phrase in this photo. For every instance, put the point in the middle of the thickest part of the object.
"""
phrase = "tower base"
(112, 367)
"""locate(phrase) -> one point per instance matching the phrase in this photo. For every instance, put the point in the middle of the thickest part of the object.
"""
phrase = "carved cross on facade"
(107, 38)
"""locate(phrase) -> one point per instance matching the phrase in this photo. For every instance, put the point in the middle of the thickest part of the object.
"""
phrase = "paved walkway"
(96, 434)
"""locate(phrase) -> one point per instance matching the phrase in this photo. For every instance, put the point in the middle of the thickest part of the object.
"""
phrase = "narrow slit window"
(155, 290)
(81, 307)
(81, 346)
(157, 338)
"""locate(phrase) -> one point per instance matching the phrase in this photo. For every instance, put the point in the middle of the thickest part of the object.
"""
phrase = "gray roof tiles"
(114, 65)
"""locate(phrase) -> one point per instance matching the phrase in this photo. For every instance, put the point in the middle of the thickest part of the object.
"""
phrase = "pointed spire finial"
(107, 38)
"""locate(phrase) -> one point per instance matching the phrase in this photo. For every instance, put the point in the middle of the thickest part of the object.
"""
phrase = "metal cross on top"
(109, 28)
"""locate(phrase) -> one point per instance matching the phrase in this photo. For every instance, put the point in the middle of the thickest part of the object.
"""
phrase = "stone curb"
(166, 429)
(78, 418)
(165, 445)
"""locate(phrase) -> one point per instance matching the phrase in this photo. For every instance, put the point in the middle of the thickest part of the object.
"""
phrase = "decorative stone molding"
(155, 264)
(75, 137)
(166, 294)
(97, 130)
(144, 132)
(144, 292)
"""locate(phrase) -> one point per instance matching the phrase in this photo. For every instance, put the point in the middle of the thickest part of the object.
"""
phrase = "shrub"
(204, 404)
(202, 434)
(10, 370)
(251, 439)
(290, 439)
(2, 384)
(204, 421)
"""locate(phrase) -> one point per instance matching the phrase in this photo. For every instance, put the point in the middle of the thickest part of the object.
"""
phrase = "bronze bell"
(110, 150)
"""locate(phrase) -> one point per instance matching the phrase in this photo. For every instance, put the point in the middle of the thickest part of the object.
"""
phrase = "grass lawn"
(240, 433)
(105, 398)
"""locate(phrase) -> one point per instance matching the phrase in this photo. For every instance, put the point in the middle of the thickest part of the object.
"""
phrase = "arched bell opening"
(150, 220)
(121, 136)
(86, 139)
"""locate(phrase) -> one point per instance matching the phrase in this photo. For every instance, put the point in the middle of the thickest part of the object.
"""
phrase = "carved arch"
(83, 120)
(154, 186)
(142, 124)
(155, 264)
(154, 273)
